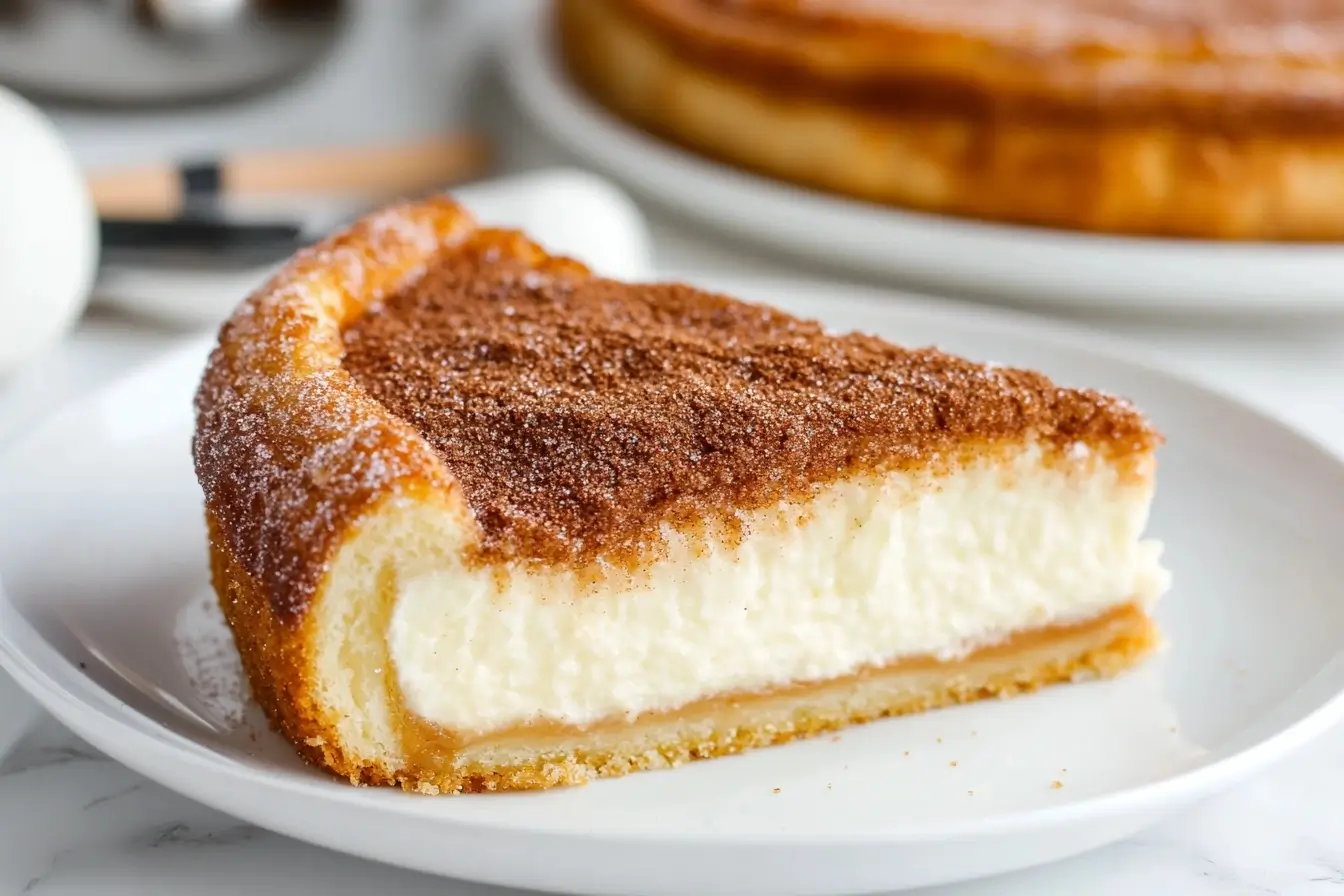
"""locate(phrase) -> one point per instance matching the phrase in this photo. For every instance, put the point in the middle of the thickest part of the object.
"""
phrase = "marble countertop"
(74, 822)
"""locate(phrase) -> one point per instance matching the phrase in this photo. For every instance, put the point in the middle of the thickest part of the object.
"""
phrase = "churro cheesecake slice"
(482, 520)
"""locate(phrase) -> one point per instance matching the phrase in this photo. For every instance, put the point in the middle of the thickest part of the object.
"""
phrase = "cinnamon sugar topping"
(578, 413)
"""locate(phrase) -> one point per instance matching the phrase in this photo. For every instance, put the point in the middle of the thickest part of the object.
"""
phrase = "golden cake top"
(1236, 62)
(1284, 27)
(575, 414)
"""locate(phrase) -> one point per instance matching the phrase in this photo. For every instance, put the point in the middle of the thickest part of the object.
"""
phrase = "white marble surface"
(72, 822)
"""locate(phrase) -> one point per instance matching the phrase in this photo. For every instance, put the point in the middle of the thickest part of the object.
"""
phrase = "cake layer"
(550, 755)
(367, 735)
(328, 687)
(864, 573)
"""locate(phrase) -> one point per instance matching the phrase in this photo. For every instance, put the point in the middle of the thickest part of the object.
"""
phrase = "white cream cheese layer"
(866, 572)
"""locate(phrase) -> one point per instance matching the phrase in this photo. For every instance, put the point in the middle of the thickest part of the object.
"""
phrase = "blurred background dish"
(1211, 119)
(1047, 268)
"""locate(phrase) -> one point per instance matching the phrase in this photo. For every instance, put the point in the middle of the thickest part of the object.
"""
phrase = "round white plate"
(107, 618)
(1026, 266)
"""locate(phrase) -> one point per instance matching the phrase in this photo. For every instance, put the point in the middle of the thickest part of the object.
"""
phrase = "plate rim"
(538, 85)
(117, 729)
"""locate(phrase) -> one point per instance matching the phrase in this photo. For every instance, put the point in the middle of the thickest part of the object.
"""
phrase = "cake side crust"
(277, 662)
(289, 451)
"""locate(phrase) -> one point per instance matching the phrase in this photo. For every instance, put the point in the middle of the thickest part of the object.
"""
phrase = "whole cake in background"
(482, 520)
(1219, 119)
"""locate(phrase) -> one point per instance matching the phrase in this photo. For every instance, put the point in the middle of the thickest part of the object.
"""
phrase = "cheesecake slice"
(481, 520)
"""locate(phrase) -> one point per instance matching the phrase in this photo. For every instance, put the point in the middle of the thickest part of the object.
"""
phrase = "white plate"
(1027, 266)
(108, 620)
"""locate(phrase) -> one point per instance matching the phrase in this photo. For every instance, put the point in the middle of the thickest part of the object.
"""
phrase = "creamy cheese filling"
(866, 572)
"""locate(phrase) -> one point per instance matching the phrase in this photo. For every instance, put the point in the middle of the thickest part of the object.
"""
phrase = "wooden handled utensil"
(167, 190)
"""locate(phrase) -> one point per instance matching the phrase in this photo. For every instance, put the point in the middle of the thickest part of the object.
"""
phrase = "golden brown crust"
(1192, 119)
(288, 450)
(277, 656)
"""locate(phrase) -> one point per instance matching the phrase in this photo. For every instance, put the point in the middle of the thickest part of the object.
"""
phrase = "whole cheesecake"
(482, 520)
(1189, 118)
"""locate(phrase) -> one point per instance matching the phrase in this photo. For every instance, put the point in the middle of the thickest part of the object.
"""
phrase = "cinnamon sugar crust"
(580, 414)
(288, 451)
(416, 354)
